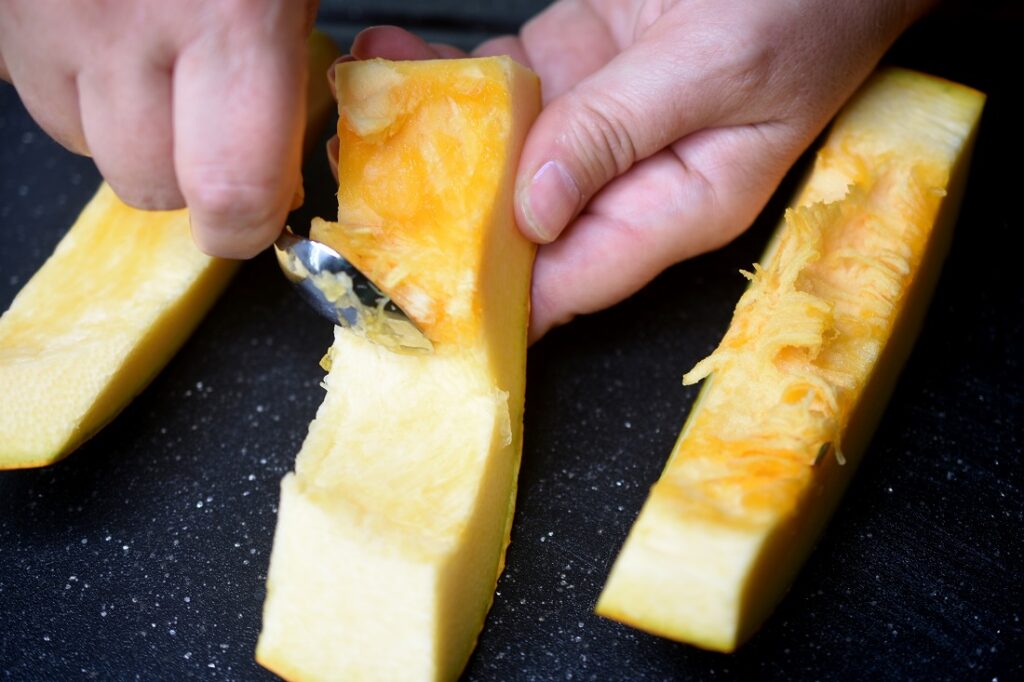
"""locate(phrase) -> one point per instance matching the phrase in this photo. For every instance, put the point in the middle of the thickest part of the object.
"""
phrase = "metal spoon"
(344, 295)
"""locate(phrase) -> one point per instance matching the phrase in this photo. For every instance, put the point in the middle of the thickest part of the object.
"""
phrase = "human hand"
(666, 126)
(198, 103)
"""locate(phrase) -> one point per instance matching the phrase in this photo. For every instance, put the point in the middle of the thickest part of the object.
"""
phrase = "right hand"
(197, 103)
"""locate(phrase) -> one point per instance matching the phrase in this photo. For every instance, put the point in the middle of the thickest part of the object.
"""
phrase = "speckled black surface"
(144, 554)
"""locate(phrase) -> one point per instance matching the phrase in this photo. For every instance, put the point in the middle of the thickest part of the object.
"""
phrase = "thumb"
(637, 104)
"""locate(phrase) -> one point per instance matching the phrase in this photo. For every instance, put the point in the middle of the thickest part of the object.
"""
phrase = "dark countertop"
(144, 554)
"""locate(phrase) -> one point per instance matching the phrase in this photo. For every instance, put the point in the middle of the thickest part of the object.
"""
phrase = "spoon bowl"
(344, 295)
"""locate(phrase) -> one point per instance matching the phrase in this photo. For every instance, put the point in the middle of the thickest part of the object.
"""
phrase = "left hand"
(666, 125)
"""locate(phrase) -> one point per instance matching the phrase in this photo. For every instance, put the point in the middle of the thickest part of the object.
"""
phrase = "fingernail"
(550, 201)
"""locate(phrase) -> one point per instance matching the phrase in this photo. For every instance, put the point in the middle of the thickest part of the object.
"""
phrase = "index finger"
(239, 105)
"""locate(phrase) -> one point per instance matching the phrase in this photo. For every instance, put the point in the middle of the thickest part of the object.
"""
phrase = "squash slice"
(94, 325)
(802, 375)
(393, 527)
(122, 292)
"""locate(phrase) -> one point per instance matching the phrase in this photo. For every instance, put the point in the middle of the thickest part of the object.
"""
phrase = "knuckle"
(148, 195)
(249, 201)
(148, 200)
(602, 138)
(739, 60)
(751, 60)
(147, 182)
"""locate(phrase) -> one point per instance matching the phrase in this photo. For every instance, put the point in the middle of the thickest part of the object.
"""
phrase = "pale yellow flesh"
(119, 296)
(722, 534)
(392, 530)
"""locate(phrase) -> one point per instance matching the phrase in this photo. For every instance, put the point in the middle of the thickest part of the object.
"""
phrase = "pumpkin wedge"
(802, 375)
(121, 293)
(392, 529)
(94, 325)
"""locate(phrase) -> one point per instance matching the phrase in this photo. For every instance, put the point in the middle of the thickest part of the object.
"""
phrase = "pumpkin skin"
(393, 528)
(122, 292)
(802, 375)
